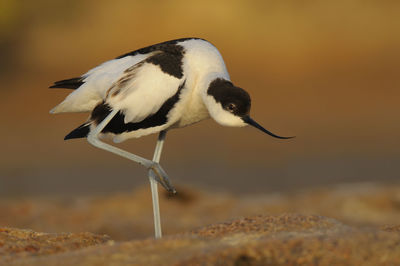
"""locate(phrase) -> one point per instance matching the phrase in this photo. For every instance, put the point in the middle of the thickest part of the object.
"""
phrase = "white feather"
(202, 58)
(202, 63)
(222, 116)
(144, 94)
(96, 83)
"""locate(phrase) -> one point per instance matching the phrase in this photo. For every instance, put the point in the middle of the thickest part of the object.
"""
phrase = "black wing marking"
(169, 60)
(157, 47)
(117, 124)
(81, 132)
(168, 55)
(73, 83)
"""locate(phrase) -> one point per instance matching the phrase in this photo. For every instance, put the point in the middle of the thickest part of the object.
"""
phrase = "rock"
(368, 232)
(19, 243)
(129, 216)
(288, 239)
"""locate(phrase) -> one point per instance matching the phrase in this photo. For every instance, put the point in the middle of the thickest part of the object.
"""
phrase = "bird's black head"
(232, 99)
(230, 105)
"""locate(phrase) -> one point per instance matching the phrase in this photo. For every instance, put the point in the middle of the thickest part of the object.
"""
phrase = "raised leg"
(160, 175)
(153, 185)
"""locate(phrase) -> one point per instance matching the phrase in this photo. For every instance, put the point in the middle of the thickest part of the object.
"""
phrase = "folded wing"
(141, 91)
(91, 87)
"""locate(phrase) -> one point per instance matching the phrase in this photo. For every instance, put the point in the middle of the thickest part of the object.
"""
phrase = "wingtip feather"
(80, 132)
(72, 83)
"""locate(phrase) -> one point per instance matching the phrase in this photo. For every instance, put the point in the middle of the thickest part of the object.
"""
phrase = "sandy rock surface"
(208, 229)
(288, 239)
(129, 216)
(21, 243)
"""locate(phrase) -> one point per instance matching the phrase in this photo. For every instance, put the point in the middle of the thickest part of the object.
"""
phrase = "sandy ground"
(207, 228)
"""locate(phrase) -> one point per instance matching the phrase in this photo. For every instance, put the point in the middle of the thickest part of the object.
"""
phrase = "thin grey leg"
(160, 175)
(95, 141)
(153, 185)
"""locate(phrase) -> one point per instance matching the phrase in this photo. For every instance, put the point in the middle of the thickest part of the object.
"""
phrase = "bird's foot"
(161, 177)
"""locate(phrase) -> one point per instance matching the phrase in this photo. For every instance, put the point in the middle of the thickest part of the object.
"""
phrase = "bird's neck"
(208, 79)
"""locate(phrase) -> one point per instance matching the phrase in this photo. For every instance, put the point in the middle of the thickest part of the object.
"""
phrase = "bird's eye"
(231, 107)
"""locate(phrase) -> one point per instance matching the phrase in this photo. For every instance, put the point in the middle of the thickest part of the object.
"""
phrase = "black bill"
(253, 123)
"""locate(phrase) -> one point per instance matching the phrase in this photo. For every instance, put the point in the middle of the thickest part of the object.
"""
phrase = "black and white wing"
(92, 87)
(143, 87)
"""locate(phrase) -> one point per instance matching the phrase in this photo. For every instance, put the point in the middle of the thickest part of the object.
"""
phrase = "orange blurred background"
(325, 71)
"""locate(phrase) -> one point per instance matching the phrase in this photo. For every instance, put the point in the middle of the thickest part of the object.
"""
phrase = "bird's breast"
(190, 109)
(192, 115)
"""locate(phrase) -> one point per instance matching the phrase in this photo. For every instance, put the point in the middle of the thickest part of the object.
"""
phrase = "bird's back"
(152, 87)
(94, 84)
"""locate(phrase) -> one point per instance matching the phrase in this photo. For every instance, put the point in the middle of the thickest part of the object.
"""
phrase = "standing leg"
(160, 175)
(153, 185)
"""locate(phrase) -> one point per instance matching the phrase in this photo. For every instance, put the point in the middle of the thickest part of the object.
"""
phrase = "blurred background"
(325, 71)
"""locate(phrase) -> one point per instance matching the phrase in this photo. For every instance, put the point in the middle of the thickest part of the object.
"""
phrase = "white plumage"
(96, 83)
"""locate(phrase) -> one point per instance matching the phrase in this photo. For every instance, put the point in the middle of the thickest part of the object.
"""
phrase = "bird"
(168, 85)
